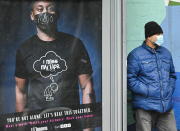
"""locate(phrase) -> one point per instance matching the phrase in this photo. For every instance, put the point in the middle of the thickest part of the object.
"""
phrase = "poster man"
(50, 64)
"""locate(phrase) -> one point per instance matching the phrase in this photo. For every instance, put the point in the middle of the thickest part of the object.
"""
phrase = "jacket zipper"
(159, 73)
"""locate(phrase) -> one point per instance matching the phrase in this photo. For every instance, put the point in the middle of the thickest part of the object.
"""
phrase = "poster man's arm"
(87, 89)
(20, 94)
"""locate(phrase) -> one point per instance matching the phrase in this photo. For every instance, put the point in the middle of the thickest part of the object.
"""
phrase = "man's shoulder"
(66, 37)
(27, 43)
(164, 49)
(69, 40)
(165, 53)
(137, 51)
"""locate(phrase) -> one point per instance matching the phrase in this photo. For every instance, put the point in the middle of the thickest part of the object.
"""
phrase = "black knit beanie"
(152, 28)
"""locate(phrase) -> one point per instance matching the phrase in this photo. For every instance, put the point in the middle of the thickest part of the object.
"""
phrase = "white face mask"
(160, 40)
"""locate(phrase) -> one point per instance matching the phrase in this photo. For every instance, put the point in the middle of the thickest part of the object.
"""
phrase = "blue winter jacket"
(151, 78)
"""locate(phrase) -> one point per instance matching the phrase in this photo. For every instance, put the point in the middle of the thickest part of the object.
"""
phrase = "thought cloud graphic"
(50, 65)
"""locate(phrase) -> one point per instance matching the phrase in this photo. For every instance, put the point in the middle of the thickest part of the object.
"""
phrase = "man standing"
(151, 79)
(50, 64)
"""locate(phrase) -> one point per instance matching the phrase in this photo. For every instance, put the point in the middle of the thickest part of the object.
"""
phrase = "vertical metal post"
(114, 66)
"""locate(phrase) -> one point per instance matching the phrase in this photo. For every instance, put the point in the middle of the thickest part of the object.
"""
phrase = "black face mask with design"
(46, 22)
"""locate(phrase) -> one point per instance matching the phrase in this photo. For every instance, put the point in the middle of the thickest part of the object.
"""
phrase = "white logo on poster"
(39, 129)
(48, 66)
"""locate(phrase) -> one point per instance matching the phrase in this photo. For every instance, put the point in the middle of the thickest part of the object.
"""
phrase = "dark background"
(81, 18)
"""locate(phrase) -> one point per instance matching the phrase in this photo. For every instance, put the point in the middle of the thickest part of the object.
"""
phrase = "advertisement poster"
(166, 13)
(51, 65)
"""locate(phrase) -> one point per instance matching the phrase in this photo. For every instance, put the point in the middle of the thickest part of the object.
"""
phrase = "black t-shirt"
(51, 70)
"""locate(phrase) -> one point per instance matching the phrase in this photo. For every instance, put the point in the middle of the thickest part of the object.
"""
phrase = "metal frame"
(114, 66)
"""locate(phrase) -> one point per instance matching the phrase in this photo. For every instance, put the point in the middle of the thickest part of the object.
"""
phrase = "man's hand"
(88, 129)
